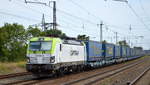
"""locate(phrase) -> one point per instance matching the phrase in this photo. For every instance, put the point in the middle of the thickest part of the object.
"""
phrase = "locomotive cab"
(42, 54)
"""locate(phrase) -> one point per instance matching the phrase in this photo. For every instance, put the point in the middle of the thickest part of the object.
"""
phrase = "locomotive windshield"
(40, 45)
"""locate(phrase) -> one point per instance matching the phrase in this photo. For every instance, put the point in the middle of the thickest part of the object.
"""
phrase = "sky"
(76, 17)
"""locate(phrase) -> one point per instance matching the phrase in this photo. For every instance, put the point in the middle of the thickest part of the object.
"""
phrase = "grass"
(15, 67)
(3, 69)
(21, 64)
(12, 67)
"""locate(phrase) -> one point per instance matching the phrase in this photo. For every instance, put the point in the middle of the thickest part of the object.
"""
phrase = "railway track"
(100, 76)
(18, 82)
(14, 75)
(28, 79)
(54, 81)
(87, 81)
(139, 77)
(7, 79)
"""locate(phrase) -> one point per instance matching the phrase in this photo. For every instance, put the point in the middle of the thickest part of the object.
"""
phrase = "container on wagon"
(117, 51)
(131, 50)
(94, 51)
(109, 51)
(123, 51)
(128, 51)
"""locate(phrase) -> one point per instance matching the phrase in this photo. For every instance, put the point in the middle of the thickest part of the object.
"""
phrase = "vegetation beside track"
(12, 67)
(14, 39)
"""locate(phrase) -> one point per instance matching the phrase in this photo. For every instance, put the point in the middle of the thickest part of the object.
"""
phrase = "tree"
(12, 42)
(33, 32)
(140, 48)
(104, 41)
(123, 43)
(82, 37)
(55, 33)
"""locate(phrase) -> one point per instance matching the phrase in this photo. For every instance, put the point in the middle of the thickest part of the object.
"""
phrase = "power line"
(75, 26)
(107, 27)
(84, 9)
(27, 7)
(137, 16)
(119, 32)
(69, 23)
(88, 13)
(142, 7)
(80, 18)
(71, 29)
(54, 24)
(75, 17)
(17, 16)
(45, 14)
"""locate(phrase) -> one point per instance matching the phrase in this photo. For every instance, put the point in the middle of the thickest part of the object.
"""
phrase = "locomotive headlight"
(28, 60)
(52, 59)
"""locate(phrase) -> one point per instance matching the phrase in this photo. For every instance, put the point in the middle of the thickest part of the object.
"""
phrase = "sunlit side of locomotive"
(48, 54)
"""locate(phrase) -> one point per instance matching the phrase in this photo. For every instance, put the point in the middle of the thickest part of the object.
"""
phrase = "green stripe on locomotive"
(53, 40)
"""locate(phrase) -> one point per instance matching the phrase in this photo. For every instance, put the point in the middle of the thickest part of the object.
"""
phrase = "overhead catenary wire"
(77, 17)
(78, 5)
(94, 23)
(137, 16)
(18, 16)
(96, 17)
(84, 9)
(67, 22)
(67, 25)
(48, 15)
(80, 17)
(27, 7)
(142, 7)
(72, 29)
(68, 14)
(42, 13)
(122, 36)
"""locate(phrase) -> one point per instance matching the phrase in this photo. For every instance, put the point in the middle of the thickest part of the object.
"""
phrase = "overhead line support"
(54, 23)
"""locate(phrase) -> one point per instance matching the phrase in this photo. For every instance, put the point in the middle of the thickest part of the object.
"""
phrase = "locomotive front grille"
(46, 60)
(39, 60)
(33, 60)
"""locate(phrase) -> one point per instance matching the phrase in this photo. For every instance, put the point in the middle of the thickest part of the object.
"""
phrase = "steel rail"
(14, 75)
(139, 77)
(114, 71)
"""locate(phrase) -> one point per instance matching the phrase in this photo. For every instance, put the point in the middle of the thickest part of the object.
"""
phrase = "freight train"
(50, 55)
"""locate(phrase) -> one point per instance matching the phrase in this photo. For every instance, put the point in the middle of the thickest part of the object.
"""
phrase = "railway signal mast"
(54, 23)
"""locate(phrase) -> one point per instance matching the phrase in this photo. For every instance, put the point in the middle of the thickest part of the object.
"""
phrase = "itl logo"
(74, 52)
